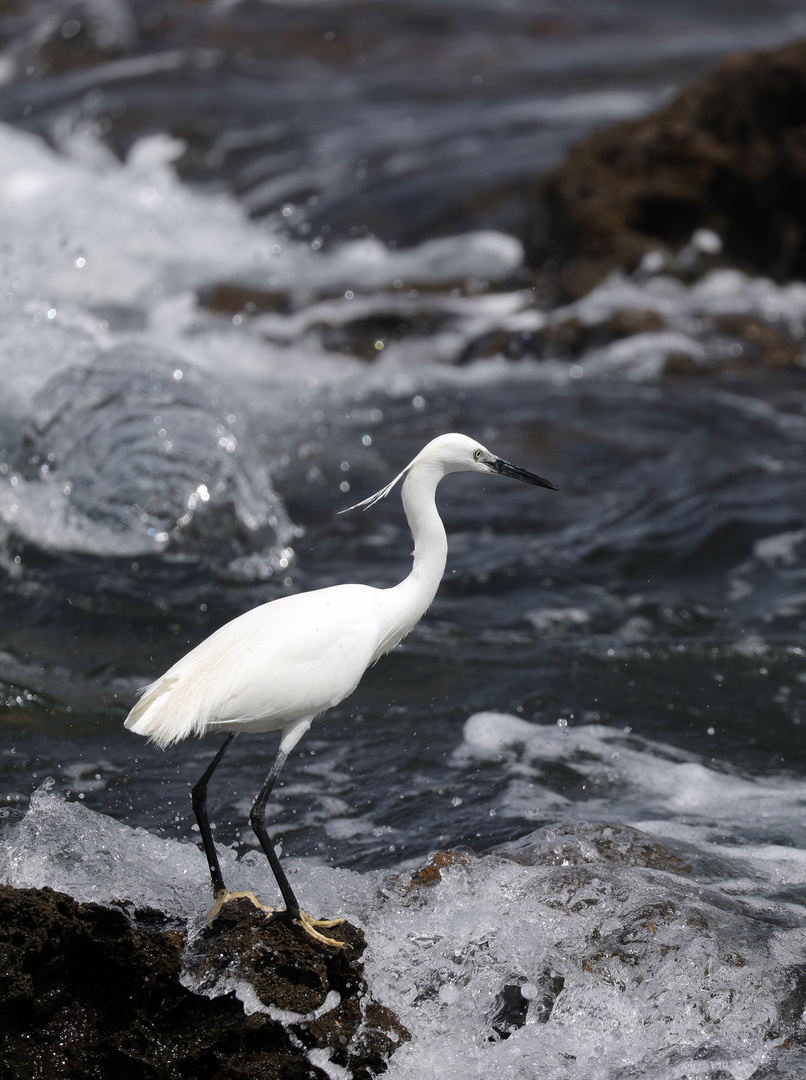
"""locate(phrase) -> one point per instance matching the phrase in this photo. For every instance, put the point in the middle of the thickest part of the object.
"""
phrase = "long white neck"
(410, 600)
(430, 541)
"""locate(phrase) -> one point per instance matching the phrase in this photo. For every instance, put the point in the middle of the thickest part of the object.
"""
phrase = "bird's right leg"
(257, 819)
(199, 799)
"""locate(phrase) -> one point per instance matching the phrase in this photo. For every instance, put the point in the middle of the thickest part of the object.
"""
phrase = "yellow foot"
(225, 896)
(309, 926)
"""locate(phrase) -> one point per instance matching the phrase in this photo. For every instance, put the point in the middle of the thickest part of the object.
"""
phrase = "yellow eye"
(477, 455)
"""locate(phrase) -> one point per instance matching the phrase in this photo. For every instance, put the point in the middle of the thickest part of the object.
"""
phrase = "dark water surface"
(660, 590)
(642, 593)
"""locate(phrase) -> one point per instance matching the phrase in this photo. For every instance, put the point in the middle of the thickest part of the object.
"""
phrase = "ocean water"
(251, 263)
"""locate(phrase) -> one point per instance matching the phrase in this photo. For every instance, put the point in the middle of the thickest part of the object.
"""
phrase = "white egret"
(277, 667)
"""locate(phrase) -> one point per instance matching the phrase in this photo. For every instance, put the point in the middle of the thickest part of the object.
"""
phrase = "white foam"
(43, 510)
(641, 998)
(642, 357)
(780, 549)
(71, 848)
(625, 777)
(84, 233)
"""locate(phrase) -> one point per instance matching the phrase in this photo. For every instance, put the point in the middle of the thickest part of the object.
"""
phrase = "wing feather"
(288, 659)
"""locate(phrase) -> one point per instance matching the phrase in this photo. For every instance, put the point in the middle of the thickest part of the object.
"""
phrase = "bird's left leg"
(199, 799)
(257, 820)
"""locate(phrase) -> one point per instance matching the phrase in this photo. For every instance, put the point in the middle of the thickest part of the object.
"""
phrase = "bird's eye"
(477, 455)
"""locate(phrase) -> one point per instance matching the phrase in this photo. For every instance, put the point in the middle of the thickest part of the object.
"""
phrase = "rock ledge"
(90, 993)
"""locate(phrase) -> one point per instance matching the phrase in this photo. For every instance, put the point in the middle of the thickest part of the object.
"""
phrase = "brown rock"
(729, 154)
(431, 873)
(89, 994)
(232, 298)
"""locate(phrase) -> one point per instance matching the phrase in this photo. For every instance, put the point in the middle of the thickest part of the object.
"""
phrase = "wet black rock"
(519, 998)
(89, 993)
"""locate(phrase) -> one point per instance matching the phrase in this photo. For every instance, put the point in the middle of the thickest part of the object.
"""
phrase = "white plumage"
(282, 662)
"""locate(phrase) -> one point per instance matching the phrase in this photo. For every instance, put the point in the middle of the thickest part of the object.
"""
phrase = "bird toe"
(310, 925)
(226, 897)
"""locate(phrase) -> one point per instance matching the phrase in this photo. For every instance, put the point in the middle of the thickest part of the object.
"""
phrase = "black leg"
(257, 819)
(199, 798)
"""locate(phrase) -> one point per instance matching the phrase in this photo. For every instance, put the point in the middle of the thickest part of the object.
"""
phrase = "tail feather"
(189, 696)
(159, 716)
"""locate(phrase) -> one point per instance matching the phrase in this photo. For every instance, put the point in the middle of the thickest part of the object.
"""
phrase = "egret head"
(457, 453)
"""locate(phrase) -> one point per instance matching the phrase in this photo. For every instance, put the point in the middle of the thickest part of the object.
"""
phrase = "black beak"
(504, 467)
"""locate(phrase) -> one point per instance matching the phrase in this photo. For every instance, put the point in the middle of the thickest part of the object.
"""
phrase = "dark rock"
(562, 338)
(362, 337)
(770, 346)
(431, 873)
(516, 999)
(511, 1008)
(232, 298)
(88, 993)
(729, 155)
